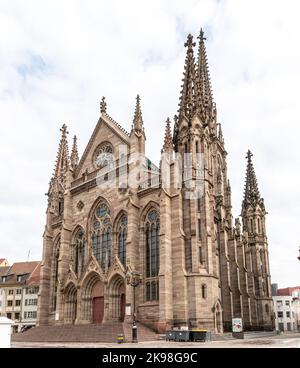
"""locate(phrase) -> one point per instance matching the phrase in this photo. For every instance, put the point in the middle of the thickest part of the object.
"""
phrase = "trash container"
(171, 335)
(200, 335)
(182, 336)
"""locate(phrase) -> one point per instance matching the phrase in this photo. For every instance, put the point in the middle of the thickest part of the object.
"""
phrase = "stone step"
(107, 332)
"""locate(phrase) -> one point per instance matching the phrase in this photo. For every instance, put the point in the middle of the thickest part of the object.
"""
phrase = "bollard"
(5, 332)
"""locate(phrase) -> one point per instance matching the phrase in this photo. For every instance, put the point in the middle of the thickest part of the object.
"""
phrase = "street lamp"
(134, 279)
(299, 254)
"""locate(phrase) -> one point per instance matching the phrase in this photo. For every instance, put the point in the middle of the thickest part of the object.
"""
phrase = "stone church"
(195, 264)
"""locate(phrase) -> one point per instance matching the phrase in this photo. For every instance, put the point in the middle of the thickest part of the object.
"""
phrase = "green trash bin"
(171, 335)
(182, 336)
(200, 335)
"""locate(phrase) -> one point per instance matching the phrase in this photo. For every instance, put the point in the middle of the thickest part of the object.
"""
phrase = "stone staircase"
(106, 333)
(93, 333)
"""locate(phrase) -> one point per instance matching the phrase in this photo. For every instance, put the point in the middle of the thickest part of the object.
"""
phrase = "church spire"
(251, 194)
(62, 160)
(168, 142)
(205, 92)
(138, 125)
(189, 88)
(74, 155)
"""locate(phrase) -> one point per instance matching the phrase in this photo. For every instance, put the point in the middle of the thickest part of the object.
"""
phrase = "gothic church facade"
(198, 266)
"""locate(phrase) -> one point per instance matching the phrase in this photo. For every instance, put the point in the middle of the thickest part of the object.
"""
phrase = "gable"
(107, 130)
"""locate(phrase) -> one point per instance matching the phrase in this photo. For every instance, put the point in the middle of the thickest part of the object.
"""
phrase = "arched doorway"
(92, 309)
(117, 299)
(70, 308)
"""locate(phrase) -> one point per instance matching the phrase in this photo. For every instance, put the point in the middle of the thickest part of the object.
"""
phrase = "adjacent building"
(19, 286)
(286, 308)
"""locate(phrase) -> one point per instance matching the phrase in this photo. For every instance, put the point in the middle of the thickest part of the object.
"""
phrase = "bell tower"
(257, 254)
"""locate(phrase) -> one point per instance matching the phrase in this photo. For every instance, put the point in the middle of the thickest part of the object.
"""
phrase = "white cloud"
(58, 58)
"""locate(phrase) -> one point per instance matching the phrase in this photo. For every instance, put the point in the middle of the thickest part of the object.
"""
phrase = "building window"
(19, 291)
(259, 225)
(201, 255)
(204, 291)
(288, 314)
(267, 309)
(287, 302)
(18, 303)
(30, 315)
(122, 237)
(280, 314)
(152, 255)
(251, 226)
(199, 229)
(101, 236)
(17, 316)
(78, 252)
(9, 303)
(10, 292)
(8, 315)
(54, 275)
(279, 303)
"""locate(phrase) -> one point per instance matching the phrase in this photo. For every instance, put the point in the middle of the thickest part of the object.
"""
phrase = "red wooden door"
(122, 307)
(98, 310)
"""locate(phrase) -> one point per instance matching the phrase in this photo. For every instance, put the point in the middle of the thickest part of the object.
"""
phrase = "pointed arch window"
(54, 274)
(79, 250)
(101, 236)
(122, 238)
(152, 255)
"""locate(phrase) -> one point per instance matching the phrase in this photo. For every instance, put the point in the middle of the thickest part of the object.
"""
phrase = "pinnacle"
(251, 193)
(138, 119)
(74, 154)
(168, 141)
(62, 161)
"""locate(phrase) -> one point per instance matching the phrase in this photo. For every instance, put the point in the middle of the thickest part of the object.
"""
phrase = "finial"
(249, 155)
(64, 130)
(103, 106)
(201, 36)
(189, 43)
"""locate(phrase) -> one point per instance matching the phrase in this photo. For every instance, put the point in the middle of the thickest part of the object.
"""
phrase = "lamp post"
(299, 254)
(134, 279)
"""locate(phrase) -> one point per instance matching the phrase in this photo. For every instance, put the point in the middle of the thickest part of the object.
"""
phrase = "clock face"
(103, 155)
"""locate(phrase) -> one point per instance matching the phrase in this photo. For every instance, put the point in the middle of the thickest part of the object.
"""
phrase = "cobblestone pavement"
(282, 341)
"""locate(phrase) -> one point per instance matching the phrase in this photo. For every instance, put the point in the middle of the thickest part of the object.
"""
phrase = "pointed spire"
(187, 104)
(103, 106)
(251, 194)
(205, 92)
(74, 155)
(138, 126)
(62, 160)
(168, 142)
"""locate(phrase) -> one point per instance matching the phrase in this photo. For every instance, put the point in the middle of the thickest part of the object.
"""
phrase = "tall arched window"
(101, 236)
(54, 273)
(78, 255)
(152, 256)
(122, 238)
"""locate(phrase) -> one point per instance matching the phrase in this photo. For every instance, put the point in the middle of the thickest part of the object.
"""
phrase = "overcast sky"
(58, 58)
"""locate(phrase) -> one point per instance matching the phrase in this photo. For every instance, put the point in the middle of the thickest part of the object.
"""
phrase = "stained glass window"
(101, 236)
(122, 238)
(152, 255)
